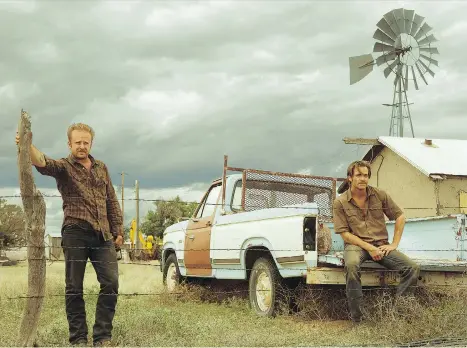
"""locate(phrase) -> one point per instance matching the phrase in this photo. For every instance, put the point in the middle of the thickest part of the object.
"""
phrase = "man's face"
(80, 144)
(359, 179)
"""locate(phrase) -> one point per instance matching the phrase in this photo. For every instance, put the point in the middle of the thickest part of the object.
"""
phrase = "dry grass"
(205, 316)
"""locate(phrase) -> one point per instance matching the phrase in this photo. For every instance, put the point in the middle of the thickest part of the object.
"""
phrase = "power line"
(247, 205)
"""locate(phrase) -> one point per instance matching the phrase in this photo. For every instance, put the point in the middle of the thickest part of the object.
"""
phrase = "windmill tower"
(404, 44)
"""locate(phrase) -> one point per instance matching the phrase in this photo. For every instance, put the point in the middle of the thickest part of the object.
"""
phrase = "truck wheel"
(171, 274)
(265, 287)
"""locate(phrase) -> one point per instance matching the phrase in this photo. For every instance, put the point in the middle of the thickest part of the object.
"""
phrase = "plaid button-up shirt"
(87, 195)
(369, 223)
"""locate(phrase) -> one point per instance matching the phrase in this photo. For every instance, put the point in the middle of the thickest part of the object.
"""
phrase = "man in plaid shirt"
(92, 224)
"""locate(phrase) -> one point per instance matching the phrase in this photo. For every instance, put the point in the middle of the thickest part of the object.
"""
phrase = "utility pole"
(138, 242)
(123, 204)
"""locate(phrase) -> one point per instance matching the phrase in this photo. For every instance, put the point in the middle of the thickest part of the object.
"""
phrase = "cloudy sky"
(170, 87)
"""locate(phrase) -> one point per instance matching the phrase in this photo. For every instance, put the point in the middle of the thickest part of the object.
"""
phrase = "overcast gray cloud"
(170, 87)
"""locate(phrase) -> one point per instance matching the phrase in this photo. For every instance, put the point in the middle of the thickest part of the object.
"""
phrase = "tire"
(265, 288)
(171, 270)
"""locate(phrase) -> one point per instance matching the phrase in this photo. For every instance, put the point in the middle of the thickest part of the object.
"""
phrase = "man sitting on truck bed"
(358, 216)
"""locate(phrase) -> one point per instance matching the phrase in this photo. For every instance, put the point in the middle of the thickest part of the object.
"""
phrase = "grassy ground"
(198, 318)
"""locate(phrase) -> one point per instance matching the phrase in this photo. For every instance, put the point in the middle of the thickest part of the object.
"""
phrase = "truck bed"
(330, 271)
(431, 242)
(337, 260)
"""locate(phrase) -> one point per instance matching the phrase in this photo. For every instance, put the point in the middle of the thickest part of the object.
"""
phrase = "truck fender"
(255, 242)
(167, 248)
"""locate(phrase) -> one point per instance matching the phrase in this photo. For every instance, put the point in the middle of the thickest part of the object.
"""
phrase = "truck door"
(198, 235)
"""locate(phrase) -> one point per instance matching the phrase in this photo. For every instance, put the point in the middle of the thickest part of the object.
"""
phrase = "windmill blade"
(398, 43)
(417, 22)
(414, 79)
(379, 35)
(385, 58)
(420, 72)
(427, 40)
(380, 47)
(406, 78)
(390, 68)
(425, 29)
(400, 20)
(385, 28)
(427, 68)
(431, 60)
(391, 20)
(408, 15)
(432, 50)
(360, 66)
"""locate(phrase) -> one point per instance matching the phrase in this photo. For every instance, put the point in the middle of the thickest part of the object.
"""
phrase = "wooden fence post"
(34, 209)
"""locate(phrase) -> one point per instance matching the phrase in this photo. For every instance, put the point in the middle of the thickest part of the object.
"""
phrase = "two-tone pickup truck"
(273, 229)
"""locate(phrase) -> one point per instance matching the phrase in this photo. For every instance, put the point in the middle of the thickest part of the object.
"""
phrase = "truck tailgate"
(330, 270)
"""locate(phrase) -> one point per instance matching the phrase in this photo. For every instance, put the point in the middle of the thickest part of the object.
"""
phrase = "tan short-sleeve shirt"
(369, 223)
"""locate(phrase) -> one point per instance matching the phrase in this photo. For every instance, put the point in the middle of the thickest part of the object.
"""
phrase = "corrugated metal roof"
(445, 156)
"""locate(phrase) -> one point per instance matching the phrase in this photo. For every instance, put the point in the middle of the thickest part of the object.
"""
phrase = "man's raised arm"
(43, 164)
(37, 157)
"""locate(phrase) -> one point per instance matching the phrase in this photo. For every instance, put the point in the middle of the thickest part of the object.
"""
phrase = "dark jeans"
(354, 256)
(80, 242)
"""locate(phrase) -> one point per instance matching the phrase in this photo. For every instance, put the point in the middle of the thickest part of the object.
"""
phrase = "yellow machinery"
(463, 202)
(149, 249)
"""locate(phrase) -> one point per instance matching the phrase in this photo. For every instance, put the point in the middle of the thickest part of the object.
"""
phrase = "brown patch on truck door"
(198, 240)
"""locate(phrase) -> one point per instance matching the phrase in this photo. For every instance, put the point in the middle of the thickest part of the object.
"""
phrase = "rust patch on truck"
(197, 253)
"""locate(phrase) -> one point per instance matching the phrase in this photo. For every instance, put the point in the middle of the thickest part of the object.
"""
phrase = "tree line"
(164, 214)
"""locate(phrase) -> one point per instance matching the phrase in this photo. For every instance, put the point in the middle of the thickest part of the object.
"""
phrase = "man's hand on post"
(386, 249)
(17, 137)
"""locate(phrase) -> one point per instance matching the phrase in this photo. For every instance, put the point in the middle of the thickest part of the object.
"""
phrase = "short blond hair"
(81, 127)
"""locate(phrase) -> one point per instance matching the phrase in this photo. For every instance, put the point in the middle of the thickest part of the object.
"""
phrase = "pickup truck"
(274, 230)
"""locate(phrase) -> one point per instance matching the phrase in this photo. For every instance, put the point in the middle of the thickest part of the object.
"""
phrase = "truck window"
(236, 203)
(209, 205)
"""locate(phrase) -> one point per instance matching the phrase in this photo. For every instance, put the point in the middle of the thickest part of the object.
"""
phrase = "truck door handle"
(192, 237)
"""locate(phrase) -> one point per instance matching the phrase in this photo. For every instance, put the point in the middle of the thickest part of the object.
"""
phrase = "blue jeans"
(81, 242)
(354, 256)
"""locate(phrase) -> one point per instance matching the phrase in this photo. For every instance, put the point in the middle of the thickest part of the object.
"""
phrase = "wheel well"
(167, 253)
(252, 254)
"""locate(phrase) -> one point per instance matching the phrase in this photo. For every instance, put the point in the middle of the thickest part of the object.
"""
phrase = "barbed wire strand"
(214, 292)
(175, 293)
(231, 268)
(217, 249)
(246, 205)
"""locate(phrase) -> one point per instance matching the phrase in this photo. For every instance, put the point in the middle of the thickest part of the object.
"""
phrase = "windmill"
(406, 49)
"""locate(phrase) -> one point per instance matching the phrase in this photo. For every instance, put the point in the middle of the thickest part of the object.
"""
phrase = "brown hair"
(356, 164)
(81, 127)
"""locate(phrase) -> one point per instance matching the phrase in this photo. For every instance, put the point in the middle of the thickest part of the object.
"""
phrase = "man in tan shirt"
(92, 226)
(358, 216)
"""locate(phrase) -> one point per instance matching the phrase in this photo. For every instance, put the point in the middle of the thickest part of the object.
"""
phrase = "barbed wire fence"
(246, 291)
(51, 260)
